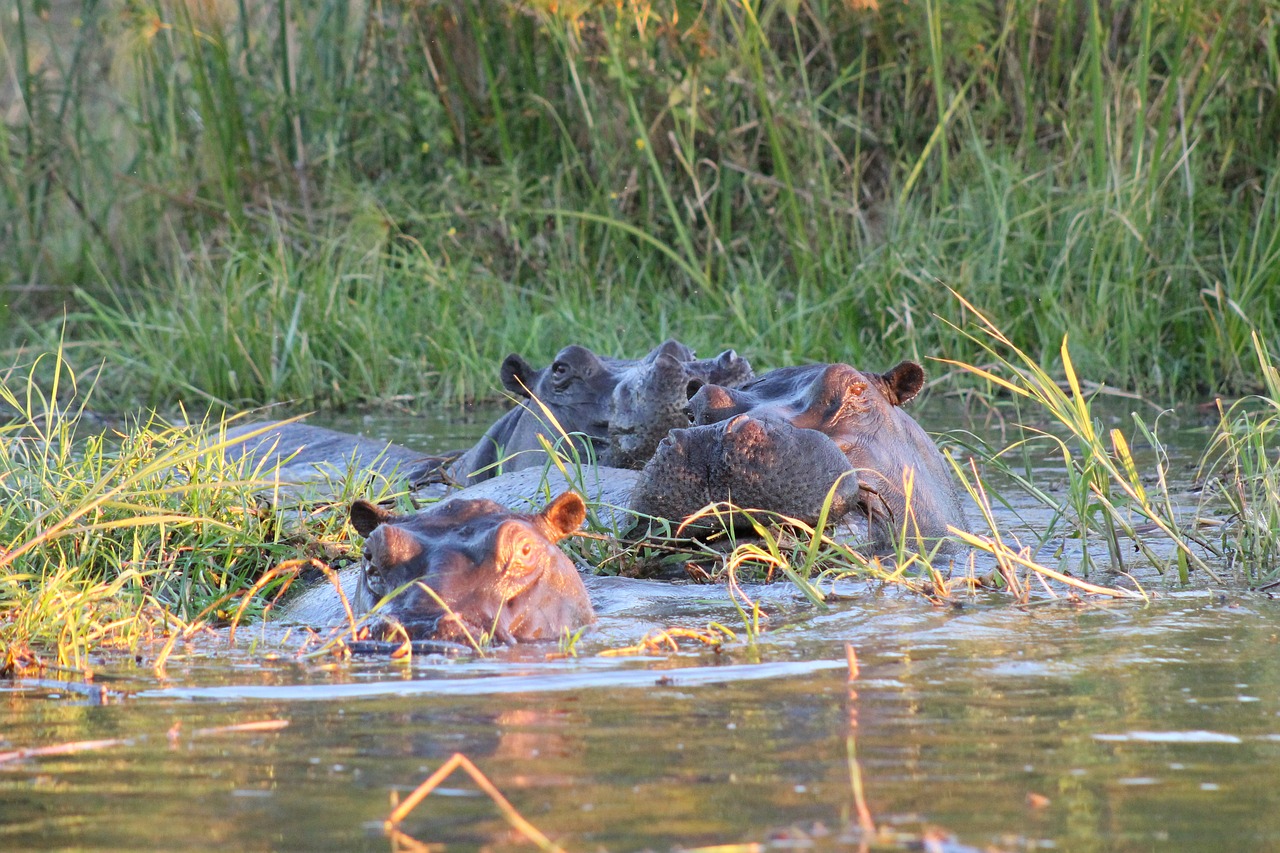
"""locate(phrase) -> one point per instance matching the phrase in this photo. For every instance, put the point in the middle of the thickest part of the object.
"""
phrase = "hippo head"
(751, 463)
(614, 409)
(831, 409)
(574, 388)
(652, 398)
(492, 571)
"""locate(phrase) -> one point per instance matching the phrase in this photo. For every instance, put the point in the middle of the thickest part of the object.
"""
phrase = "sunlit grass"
(111, 539)
(1242, 474)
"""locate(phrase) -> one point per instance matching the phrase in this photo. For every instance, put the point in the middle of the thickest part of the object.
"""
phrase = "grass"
(1242, 470)
(112, 539)
(337, 206)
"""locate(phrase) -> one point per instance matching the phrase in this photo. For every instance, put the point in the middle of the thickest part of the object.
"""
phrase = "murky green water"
(1146, 727)
(1075, 727)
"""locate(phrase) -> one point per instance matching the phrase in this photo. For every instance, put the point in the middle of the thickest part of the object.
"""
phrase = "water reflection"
(1058, 725)
(962, 717)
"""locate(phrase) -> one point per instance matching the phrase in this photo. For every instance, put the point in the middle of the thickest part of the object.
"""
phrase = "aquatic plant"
(335, 203)
(1241, 470)
(109, 537)
(1108, 497)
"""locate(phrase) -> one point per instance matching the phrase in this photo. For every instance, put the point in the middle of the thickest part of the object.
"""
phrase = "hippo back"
(905, 482)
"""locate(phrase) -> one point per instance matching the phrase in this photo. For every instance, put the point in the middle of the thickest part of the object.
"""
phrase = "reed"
(1241, 471)
(801, 181)
(112, 538)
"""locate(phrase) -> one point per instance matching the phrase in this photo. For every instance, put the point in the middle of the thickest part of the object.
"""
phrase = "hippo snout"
(713, 403)
(467, 568)
(750, 463)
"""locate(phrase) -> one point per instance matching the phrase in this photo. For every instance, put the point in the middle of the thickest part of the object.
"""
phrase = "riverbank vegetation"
(145, 535)
(224, 204)
(338, 203)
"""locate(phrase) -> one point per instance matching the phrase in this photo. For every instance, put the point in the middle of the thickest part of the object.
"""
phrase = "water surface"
(1058, 725)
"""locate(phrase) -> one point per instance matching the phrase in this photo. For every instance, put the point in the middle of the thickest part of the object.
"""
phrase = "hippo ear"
(904, 382)
(518, 376)
(563, 516)
(365, 517)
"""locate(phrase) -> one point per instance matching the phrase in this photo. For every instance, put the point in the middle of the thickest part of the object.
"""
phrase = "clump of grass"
(1244, 462)
(110, 539)
(1108, 497)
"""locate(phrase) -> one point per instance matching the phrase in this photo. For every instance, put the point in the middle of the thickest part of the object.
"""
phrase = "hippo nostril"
(692, 388)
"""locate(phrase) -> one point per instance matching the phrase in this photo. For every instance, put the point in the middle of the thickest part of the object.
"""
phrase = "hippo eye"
(559, 370)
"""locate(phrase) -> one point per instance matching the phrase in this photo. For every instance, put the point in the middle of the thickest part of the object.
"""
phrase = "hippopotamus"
(652, 397)
(461, 571)
(613, 411)
(781, 443)
(813, 443)
(786, 440)
(297, 453)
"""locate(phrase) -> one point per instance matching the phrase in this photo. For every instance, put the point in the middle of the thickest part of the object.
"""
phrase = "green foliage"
(333, 202)
(1243, 471)
(108, 538)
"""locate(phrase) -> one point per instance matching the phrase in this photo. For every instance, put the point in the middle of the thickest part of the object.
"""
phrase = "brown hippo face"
(758, 464)
(652, 398)
(492, 571)
(859, 415)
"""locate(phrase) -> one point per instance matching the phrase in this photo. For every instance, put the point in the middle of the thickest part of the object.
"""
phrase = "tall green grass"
(1242, 476)
(111, 538)
(338, 203)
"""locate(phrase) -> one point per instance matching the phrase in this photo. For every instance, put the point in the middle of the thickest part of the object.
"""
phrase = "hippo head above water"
(652, 398)
(613, 410)
(492, 571)
(786, 440)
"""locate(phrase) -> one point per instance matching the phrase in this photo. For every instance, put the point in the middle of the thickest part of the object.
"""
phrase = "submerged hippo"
(297, 453)
(787, 439)
(463, 570)
(613, 411)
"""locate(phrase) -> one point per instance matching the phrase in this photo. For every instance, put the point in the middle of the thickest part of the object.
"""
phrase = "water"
(1059, 725)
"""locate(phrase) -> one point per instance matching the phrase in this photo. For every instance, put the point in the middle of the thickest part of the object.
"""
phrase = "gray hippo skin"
(586, 396)
(652, 398)
(493, 572)
(293, 452)
(740, 450)
(614, 411)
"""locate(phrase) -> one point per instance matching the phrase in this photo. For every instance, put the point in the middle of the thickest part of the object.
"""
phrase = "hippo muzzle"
(471, 569)
(750, 463)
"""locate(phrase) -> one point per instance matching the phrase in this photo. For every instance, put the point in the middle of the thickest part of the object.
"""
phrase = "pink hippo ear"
(518, 376)
(903, 382)
(365, 517)
(563, 516)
